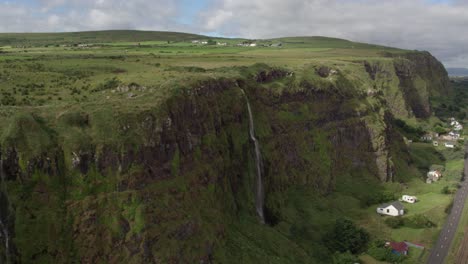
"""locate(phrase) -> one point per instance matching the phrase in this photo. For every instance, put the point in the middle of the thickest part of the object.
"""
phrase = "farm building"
(398, 248)
(454, 135)
(409, 199)
(392, 209)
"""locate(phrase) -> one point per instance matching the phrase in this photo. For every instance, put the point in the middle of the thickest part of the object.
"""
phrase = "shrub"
(448, 190)
(449, 207)
(419, 221)
(394, 222)
(346, 236)
(372, 198)
(109, 84)
(345, 258)
(411, 132)
(378, 251)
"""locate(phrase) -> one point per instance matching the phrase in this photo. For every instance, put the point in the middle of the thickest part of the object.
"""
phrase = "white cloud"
(416, 24)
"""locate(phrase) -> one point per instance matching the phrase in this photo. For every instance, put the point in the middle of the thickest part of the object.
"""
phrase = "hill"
(108, 36)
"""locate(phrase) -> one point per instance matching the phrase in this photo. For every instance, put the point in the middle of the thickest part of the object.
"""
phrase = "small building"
(449, 145)
(392, 209)
(433, 176)
(253, 45)
(195, 41)
(454, 135)
(409, 199)
(458, 127)
(398, 248)
(427, 137)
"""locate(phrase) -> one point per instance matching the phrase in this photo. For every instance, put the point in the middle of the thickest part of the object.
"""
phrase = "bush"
(377, 198)
(440, 130)
(449, 207)
(109, 84)
(410, 132)
(378, 251)
(395, 222)
(345, 258)
(448, 190)
(346, 236)
(419, 221)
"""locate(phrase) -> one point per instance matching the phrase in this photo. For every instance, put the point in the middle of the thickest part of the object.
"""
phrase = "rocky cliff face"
(165, 185)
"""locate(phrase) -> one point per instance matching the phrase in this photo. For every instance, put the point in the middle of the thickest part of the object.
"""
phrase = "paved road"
(441, 248)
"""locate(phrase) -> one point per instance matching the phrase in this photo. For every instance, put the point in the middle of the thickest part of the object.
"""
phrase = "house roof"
(395, 204)
(399, 246)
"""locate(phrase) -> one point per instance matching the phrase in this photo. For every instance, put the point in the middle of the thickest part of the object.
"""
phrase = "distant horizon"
(212, 36)
(438, 26)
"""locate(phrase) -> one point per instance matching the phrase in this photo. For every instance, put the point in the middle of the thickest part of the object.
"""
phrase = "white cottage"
(409, 198)
(392, 209)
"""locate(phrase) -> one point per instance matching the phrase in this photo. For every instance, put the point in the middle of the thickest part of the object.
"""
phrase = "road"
(441, 248)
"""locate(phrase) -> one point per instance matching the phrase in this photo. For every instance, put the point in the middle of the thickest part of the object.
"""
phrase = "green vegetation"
(133, 147)
(345, 236)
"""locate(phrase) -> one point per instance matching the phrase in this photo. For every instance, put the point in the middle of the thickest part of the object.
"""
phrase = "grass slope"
(41, 39)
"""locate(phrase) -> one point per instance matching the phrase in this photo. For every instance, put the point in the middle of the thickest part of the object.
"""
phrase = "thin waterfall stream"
(259, 191)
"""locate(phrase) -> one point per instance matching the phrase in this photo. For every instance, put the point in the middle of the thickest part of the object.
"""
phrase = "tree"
(345, 258)
(211, 42)
(346, 236)
(394, 222)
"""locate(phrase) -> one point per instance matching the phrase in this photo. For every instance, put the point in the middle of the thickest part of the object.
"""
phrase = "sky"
(439, 26)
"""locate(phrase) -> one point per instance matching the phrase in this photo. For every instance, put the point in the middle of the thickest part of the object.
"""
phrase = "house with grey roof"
(392, 209)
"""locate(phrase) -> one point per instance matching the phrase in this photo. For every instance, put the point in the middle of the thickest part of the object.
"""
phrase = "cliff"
(175, 183)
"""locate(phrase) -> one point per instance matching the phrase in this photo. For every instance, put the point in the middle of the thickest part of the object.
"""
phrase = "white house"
(458, 127)
(253, 45)
(449, 145)
(409, 199)
(454, 135)
(393, 209)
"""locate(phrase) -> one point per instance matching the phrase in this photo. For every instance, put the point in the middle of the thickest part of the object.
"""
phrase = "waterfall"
(259, 192)
(3, 226)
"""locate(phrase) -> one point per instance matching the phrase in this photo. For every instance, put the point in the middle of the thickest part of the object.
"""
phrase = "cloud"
(74, 15)
(438, 26)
